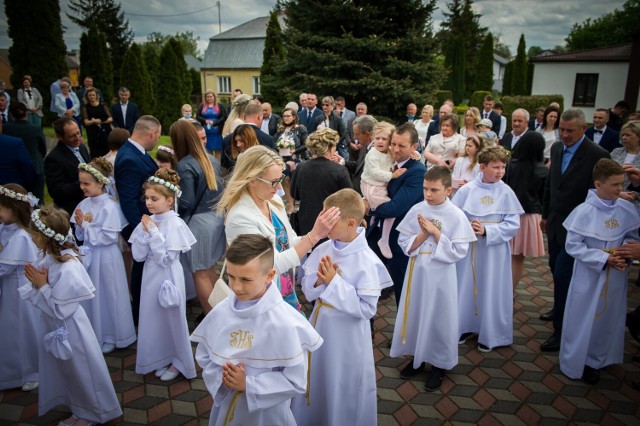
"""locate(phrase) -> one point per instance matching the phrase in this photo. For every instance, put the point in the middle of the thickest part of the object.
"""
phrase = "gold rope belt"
(319, 306)
(403, 332)
(473, 270)
(232, 408)
(605, 290)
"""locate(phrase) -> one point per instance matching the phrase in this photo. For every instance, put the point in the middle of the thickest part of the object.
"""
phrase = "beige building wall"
(243, 79)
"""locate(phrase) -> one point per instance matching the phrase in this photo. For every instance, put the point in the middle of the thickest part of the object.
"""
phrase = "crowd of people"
(324, 201)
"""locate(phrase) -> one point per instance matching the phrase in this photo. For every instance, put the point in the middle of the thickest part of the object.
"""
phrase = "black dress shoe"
(634, 327)
(434, 379)
(547, 316)
(408, 371)
(552, 344)
(590, 375)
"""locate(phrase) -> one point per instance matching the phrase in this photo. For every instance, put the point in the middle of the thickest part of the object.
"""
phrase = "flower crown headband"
(163, 182)
(166, 149)
(95, 173)
(29, 198)
(45, 230)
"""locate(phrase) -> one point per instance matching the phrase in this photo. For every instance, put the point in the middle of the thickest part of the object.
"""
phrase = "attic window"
(585, 89)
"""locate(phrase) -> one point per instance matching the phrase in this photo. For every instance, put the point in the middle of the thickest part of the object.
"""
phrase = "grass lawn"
(48, 132)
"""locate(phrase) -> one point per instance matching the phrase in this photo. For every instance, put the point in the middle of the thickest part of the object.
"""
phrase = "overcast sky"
(544, 23)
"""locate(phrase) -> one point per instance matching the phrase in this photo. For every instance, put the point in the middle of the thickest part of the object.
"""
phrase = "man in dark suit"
(354, 143)
(5, 117)
(308, 115)
(61, 165)
(569, 180)
(125, 113)
(519, 120)
(34, 142)
(602, 134)
(617, 115)
(253, 117)
(363, 133)
(133, 166)
(88, 84)
(410, 115)
(405, 192)
(536, 121)
(15, 164)
(488, 112)
(270, 121)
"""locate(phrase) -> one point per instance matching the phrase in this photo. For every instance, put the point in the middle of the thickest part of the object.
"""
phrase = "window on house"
(256, 85)
(224, 84)
(584, 91)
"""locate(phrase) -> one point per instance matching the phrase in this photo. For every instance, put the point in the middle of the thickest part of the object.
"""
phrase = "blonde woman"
(422, 125)
(471, 120)
(236, 115)
(251, 206)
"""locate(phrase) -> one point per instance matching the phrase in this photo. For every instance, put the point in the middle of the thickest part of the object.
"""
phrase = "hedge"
(530, 103)
(477, 98)
(442, 95)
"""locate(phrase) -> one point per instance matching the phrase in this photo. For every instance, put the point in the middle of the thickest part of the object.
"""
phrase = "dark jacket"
(527, 184)
(196, 196)
(15, 164)
(218, 122)
(132, 116)
(335, 123)
(610, 138)
(61, 174)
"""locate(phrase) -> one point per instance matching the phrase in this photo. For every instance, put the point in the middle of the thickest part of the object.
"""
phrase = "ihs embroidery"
(486, 200)
(241, 339)
(436, 223)
(611, 223)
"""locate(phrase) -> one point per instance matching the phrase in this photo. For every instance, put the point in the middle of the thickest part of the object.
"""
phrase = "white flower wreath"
(29, 198)
(169, 185)
(166, 149)
(95, 173)
(45, 230)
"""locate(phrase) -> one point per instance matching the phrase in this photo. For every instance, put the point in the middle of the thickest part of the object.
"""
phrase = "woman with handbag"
(202, 184)
(251, 206)
(97, 120)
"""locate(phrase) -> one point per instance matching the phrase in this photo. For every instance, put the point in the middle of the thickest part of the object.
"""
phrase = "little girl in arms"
(163, 342)
(72, 368)
(99, 220)
(19, 356)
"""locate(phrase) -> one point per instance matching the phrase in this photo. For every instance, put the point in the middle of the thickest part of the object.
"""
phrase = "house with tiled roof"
(590, 79)
(233, 59)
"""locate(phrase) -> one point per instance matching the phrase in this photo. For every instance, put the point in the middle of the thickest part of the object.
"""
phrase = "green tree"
(379, 52)
(500, 48)
(182, 70)
(152, 60)
(187, 40)
(455, 54)
(135, 77)
(462, 27)
(520, 70)
(37, 48)
(272, 55)
(612, 28)
(108, 18)
(196, 84)
(169, 88)
(533, 51)
(507, 82)
(95, 61)
(484, 71)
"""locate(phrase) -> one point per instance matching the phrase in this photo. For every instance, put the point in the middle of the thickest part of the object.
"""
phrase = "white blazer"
(61, 104)
(246, 218)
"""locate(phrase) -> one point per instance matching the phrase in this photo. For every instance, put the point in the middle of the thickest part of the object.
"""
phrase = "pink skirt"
(528, 241)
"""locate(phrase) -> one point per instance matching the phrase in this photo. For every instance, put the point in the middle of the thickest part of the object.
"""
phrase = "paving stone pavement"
(512, 385)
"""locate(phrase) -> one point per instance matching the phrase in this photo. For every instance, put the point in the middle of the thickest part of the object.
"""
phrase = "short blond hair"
(349, 202)
(321, 141)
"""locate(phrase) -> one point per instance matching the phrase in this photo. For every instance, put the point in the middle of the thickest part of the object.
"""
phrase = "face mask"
(187, 116)
(280, 192)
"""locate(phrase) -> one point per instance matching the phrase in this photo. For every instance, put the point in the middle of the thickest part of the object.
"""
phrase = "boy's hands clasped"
(233, 377)
(326, 271)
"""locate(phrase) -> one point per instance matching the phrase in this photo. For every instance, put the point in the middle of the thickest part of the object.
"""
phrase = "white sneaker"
(161, 371)
(170, 374)
(29, 386)
(108, 347)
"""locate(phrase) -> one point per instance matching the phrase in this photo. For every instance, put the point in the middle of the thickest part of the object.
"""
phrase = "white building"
(589, 79)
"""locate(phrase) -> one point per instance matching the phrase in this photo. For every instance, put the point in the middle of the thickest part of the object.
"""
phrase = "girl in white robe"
(485, 291)
(21, 326)
(158, 241)
(594, 319)
(72, 368)
(261, 334)
(99, 220)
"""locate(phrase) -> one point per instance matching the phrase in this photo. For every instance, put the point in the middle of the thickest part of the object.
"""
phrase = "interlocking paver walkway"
(514, 385)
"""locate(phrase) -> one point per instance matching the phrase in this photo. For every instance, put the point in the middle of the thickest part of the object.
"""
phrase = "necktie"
(486, 114)
(4, 117)
(566, 158)
(599, 131)
(395, 167)
(29, 93)
(76, 152)
(340, 113)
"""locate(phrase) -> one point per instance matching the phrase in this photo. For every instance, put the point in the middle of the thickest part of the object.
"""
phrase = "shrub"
(477, 98)
(441, 96)
(530, 103)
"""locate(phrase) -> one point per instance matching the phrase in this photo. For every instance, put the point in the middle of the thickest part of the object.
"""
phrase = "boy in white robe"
(485, 291)
(253, 345)
(435, 235)
(594, 318)
(345, 278)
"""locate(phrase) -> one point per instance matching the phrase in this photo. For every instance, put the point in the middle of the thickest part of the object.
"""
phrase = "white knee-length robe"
(271, 339)
(342, 386)
(163, 333)
(110, 310)
(427, 321)
(81, 382)
(21, 326)
(594, 318)
(485, 289)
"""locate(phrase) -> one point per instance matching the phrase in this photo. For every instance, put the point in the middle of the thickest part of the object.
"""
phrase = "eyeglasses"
(287, 116)
(273, 183)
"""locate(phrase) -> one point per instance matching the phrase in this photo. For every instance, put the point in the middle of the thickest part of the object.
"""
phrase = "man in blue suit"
(133, 166)
(15, 164)
(125, 113)
(602, 134)
(405, 192)
(309, 114)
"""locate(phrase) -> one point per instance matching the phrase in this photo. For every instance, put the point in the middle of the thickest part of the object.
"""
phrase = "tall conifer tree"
(519, 82)
(95, 61)
(168, 88)
(135, 77)
(272, 55)
(484, 70)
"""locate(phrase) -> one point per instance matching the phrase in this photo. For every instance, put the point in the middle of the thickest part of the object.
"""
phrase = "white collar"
(137, 145)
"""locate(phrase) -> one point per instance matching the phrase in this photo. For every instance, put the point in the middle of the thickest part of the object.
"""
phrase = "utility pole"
(219, 20)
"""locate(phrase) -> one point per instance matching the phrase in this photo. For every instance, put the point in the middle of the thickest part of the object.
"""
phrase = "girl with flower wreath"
(21, 327)
(158, 241)
(72, 368)
(98, 222)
